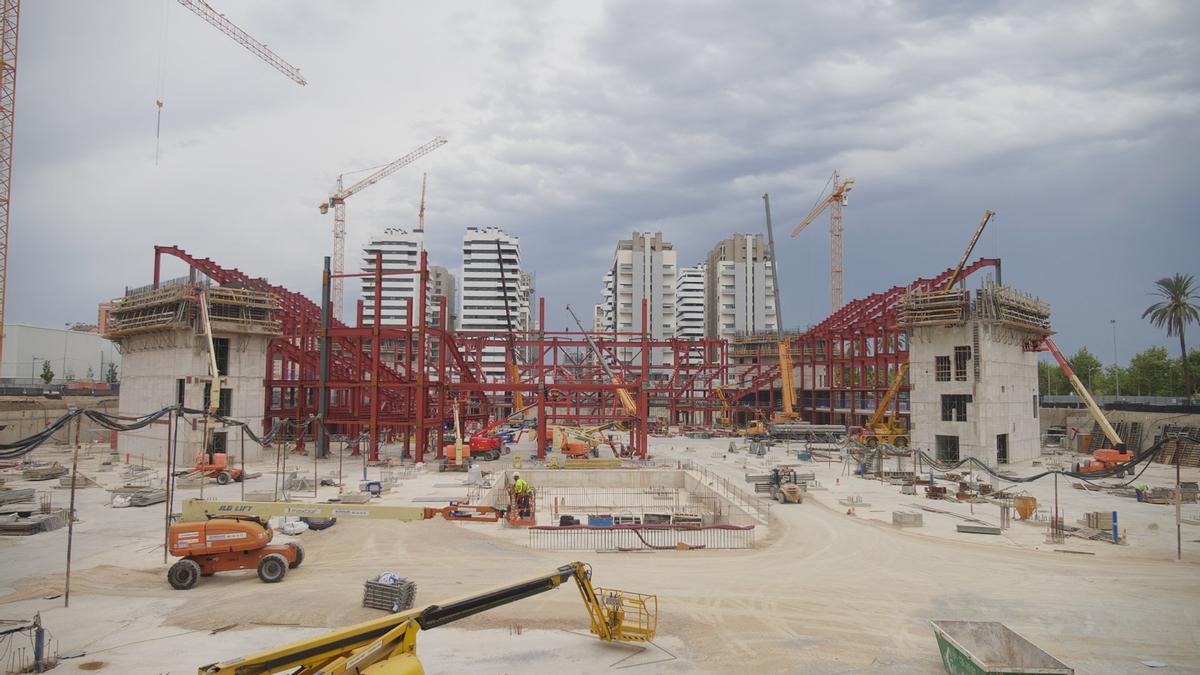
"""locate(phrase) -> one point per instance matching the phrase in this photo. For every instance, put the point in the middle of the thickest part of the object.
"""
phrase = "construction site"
(278, 487)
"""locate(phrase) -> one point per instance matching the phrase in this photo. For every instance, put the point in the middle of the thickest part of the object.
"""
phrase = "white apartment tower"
(644, 268)
(739, 298)
(401, 252)
(689, 304)
(483, 295)
(441, 285)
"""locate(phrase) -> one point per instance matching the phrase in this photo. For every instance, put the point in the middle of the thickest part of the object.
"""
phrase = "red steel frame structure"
(408, 389)
(849, 360)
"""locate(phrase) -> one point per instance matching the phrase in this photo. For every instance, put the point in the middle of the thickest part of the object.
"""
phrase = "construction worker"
(522, 491)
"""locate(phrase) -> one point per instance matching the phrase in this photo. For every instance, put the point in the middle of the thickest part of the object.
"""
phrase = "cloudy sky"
(571, 124)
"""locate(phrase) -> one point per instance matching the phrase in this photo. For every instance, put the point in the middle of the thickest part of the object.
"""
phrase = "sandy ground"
(823, 592)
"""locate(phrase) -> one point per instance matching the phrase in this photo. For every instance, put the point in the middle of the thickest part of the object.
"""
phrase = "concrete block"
(908, 519)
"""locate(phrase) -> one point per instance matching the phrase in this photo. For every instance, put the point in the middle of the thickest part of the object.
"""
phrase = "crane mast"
(338, 202)
(10, 12)
(786, 373)
(218, 21)
(834, 202)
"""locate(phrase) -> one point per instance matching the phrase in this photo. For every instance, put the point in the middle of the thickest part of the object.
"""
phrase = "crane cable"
(161, 83)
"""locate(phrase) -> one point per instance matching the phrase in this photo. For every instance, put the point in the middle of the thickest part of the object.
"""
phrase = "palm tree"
(1175, 312)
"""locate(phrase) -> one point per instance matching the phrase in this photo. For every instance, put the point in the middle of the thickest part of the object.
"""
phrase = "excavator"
(387, 646)
(894, 430)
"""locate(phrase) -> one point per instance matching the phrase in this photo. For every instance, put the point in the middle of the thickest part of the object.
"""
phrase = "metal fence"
(641, 537)
(737, 496)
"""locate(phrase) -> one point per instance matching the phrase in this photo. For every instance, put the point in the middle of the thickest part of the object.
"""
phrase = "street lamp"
(1116, 363)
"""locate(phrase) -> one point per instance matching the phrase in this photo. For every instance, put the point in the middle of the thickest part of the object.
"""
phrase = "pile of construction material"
(389, 592)
(13, 524)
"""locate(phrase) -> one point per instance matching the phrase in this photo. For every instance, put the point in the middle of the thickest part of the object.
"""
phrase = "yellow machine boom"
(387, 646)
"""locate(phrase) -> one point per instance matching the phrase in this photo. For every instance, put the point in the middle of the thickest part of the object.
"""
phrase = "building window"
(943, 368)
(947, 448)
(179, 388)
(954, 407)
(1035, 406)
(221, 351)
(962, 356)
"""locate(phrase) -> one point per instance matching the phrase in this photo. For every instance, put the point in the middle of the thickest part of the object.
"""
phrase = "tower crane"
(10, 12)
(337, 201)
(218, 20)
(834, 201)
(421, 211)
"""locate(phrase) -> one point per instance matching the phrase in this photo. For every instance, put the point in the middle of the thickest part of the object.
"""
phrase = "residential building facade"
(739, 295)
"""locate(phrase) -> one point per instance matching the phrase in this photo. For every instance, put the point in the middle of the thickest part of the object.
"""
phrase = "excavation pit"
(632, 509)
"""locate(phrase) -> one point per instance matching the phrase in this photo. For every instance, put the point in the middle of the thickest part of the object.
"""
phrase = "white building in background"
(606, 311)
(483, 295)
(739, 297)
(442, 285)
(644, 268)
(689, 305)
(402, 252)
(73, 355)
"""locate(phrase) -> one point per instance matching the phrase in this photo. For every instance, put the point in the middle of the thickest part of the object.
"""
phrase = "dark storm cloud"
(572, 124)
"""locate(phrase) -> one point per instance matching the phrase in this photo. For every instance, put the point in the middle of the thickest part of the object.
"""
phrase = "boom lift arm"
(786, 373)
(622, 393)
(1047, 344)
(388, 644)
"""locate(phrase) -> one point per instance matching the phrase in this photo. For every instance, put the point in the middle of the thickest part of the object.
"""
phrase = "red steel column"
(643, 393)
(376, 356)
(422, 435)
(541, 409)
(442, 370)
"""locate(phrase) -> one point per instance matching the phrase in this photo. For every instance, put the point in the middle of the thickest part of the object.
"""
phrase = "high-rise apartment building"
(483, 294)
(401, 252)
(441, 285)
(689, 304)
(643, 268)
(739, 297)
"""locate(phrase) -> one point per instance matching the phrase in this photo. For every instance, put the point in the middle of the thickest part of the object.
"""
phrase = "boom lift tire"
(901, 441)
(183, 574)
(272, 568)
(223, 478)
(299, 557)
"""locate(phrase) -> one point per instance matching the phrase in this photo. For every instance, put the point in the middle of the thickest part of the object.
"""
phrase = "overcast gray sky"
(571, 124)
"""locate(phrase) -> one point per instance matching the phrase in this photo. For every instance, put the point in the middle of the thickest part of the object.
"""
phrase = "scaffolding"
(992, 303)
(176, 307)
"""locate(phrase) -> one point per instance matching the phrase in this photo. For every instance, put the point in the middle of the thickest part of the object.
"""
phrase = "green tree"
(1175, 312)
(1087, 368)
(47, 373)
(1150, 373)
(111, 376)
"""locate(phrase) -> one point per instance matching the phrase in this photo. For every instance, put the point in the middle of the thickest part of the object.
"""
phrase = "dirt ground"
(823, 592)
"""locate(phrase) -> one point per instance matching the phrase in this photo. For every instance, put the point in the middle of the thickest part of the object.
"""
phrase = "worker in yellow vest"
(522, 491)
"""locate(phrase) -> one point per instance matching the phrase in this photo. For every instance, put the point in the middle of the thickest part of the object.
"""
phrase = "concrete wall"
(154, 364)
(24, 417)
(1003, 393)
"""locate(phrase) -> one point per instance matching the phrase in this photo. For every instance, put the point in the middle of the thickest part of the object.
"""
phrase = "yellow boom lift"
(787, 383)
(387, 646)
(894, 430)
